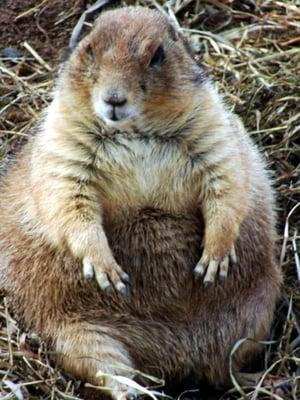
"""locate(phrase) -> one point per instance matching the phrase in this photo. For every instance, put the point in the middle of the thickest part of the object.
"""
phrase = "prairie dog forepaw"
(209, 267)
(109, 275)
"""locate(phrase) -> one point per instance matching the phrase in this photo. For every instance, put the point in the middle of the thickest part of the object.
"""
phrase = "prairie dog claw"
(232, 255)
(88, 270)
(109, 276)
(209, 268)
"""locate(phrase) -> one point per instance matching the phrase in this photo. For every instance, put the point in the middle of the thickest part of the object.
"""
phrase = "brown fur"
(140, 199)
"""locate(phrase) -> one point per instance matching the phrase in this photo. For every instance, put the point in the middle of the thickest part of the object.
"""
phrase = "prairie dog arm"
(67, 203)
(224, 204)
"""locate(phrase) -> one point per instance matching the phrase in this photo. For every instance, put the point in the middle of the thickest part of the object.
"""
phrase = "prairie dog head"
(134, 71)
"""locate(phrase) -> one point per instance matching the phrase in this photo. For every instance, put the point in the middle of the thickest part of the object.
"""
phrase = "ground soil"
(45, 25)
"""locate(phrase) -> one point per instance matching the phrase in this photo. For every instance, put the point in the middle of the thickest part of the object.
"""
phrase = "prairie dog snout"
(113, 106)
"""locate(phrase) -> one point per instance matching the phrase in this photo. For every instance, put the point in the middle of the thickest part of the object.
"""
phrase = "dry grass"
(252, 49)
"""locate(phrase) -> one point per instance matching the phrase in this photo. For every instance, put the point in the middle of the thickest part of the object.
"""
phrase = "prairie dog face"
(134, 71)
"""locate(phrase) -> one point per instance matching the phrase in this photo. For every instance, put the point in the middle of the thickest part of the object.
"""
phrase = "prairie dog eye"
(90, 53)
(158, 57)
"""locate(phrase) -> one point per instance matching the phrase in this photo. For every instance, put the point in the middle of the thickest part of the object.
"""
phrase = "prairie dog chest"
(145, 171)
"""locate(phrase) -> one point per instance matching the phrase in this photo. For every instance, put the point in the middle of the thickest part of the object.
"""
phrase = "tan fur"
(140, 200)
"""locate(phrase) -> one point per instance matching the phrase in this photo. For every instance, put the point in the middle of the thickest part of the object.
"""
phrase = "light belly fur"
(134, 174)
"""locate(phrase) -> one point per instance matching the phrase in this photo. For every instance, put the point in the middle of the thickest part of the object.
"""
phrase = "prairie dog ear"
(200, 72)
(186, 45)
(176, 35)
(173, 32)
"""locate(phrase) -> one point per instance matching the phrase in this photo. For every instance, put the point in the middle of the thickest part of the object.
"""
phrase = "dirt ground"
(251, 49)
(46, 25)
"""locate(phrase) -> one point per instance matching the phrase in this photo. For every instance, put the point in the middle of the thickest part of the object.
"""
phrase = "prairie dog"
(129, 128)
(136, 162)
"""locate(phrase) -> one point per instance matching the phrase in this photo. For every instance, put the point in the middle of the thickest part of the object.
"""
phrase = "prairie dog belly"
(137, 173)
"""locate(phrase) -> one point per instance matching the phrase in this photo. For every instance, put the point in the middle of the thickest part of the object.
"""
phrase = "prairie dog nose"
(115, 98)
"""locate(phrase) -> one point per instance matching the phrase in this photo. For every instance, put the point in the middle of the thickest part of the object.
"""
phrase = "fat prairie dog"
(140, 177)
